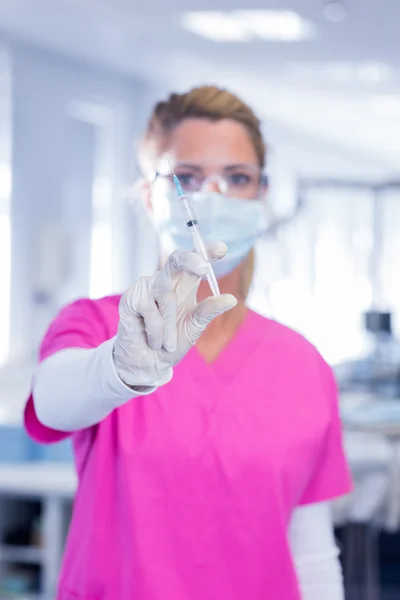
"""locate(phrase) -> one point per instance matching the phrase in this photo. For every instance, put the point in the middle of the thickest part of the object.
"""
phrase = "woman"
(204, 472)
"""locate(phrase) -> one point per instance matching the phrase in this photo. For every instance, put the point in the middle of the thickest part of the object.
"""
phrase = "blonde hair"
(205, 102)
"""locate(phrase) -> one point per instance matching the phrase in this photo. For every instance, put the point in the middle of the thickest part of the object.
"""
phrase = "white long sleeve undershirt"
(315, 553)
(77, 388)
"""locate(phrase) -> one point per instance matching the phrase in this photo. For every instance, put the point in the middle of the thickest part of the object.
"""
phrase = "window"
(5, 201)
(315, 276)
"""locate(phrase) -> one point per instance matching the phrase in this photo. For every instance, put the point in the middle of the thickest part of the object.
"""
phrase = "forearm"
(77, 388)
(321, 577)
(315, 554)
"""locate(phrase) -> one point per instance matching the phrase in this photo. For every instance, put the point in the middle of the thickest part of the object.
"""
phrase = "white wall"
(70, 123)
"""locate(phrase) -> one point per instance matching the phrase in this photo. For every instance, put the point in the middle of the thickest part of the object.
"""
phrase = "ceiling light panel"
(216, 26)
(275, 25)
(247, 25)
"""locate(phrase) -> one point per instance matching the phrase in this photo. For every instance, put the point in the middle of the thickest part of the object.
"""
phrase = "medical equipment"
(193, 226)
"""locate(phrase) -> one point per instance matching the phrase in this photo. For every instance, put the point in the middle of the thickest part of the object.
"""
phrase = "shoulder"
(84, 323)
(294, 354)
(102, 310)
(287, 339)
(98, 307)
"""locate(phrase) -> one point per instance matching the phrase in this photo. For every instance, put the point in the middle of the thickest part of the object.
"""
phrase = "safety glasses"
(242, 180)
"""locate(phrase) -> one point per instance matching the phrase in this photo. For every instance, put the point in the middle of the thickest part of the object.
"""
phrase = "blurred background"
(77, 84)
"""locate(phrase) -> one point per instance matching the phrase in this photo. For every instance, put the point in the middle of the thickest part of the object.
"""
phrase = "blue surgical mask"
(236, 222)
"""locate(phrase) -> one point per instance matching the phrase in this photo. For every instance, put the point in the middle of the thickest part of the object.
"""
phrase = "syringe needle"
(192, 224)
(176, 182)
(172, 170)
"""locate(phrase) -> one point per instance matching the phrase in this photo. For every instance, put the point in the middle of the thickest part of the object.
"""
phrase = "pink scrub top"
(187, 493)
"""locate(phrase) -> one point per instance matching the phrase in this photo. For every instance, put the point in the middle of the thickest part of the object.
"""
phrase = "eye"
(240, 179)
(187, 179)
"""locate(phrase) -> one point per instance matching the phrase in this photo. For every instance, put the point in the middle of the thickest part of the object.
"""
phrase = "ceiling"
(340, 89)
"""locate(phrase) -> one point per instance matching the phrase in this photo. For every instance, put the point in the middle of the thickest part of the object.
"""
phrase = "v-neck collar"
(233, 357)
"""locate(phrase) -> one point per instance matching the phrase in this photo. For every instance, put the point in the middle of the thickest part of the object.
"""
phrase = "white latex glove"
(160, 319)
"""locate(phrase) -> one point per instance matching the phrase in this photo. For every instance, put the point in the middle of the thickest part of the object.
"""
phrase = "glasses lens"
(242, 181)
(245, 181)
(190, 179)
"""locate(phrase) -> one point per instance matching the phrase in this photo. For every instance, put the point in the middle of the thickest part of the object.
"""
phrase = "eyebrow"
(238, 166)
(181, 165)
(225, 168)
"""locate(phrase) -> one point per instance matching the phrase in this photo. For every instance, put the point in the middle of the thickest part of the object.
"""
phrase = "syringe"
(193, 226)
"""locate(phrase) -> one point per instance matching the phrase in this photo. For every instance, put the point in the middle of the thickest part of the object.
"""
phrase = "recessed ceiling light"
(246, 25)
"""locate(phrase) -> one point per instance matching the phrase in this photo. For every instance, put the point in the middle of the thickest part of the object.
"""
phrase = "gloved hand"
(160, 319)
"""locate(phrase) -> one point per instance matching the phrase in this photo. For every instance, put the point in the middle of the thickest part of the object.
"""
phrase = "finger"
(153, 325)
(187, 262)
(167, 302)
(217, 250)
(205, 312)
(148, 310)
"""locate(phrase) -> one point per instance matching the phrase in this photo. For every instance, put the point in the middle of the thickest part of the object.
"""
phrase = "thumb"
(205, 312)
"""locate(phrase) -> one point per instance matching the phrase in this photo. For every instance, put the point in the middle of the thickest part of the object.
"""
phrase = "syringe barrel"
(187, 210)
(198, 243)
(193, 226)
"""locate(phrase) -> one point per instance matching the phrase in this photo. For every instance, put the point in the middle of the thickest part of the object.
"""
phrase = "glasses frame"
(264, 180)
